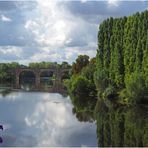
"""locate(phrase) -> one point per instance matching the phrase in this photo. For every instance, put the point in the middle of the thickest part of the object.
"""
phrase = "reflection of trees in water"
(27, 80)
(116, 126)
(46, 82)
(83, 107)
(122, 127)
(5, 91)
(47, 79)
(83, 116)
(83, 102)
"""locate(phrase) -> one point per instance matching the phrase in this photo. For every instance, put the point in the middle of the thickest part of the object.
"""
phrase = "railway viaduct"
(58, 72)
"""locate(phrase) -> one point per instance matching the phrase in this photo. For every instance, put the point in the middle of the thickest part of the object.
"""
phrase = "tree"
(81, 62)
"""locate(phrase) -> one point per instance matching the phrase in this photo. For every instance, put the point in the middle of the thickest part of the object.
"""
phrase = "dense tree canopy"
(122, 55)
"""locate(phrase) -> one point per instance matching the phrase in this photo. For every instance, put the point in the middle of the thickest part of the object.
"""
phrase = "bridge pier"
(17, 81)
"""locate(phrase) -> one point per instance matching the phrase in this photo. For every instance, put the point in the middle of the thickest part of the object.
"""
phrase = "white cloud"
(57, 34)
(49, 28)
(50, 55)
(4, 18)
(114, 3)
(54, 28)
(11, 50)
(84, 1)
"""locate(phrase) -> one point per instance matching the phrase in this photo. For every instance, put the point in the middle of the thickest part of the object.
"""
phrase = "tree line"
(122, 58)
(6, 69)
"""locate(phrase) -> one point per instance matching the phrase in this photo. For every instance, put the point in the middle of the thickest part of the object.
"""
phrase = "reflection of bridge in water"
(57, 72)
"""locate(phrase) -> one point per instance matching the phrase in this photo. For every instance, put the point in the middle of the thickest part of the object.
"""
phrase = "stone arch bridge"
(58, 72)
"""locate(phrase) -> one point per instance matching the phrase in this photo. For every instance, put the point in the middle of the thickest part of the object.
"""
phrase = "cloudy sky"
(55, 30)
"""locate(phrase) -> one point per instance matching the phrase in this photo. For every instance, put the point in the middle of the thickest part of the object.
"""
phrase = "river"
(42, 119)
(32, 118)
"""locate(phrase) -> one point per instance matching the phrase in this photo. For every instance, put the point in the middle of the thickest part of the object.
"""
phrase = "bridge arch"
(47, 78)
(27, 79)
(21, 70)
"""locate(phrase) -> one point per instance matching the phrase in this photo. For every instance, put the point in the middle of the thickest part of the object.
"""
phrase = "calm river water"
(42, 119)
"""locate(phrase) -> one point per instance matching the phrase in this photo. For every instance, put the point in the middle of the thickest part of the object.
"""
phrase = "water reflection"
(84, 116)
(122, 127)
(4, 91)
(42, 119)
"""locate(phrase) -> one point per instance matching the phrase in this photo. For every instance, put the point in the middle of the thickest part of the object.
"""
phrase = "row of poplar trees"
(122, 55)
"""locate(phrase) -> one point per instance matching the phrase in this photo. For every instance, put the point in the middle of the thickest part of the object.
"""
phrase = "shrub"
(109, 92)
(137, 89)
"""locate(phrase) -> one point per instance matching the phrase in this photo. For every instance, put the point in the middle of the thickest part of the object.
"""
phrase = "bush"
(137, 89)
(79, 85)
(123, 96)
(109, 93)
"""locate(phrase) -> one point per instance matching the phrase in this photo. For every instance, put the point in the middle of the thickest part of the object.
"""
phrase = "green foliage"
(101, 80)
(121, 79)
(81, 62)
(81, 84)
(81, 93)
(109, 93)
(122, 57)
(49, 65)
(88, 71)
(137, 88)
(43, 65)
(5, 71)
(124, 97)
